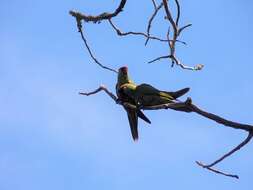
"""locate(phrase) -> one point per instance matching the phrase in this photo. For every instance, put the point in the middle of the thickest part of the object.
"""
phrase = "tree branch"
(176, 32)
(100, 17)
(120, 33)
(172, 42)
(79, 26)
(100, 88)
(192, 108)
(151, 20)
(209, 166)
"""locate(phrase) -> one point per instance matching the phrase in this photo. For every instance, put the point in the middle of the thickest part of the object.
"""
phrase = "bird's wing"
(177, 94)
(146, 90)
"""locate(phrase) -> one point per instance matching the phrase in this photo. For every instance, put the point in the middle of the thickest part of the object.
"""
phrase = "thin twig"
(79, 25)
(182, 28)
(151, 20)
(231, 152)
(178, 12)
(120, 33)
(217, 171)
(101, 88)
(195, 68)
(154, 3)
(159, 58)
(209, 166)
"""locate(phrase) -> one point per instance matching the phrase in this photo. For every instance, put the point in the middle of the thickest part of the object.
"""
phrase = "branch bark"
(100, 17)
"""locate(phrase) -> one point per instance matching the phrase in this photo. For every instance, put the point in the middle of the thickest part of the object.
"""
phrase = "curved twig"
(120, 33)
(178, 12)
(79, 25)
(151, 20)
(209, 166)
(100, 88)
(218, 171)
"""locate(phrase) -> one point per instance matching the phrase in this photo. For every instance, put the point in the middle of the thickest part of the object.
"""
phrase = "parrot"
(132, 113)
(146, 95)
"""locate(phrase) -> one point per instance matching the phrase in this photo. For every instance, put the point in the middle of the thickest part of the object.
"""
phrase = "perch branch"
(193, 108)
(101, 88)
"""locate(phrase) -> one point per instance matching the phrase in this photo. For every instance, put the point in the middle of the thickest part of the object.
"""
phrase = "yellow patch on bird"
(128, 85)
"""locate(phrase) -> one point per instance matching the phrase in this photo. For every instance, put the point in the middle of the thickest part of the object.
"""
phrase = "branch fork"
(171, 42)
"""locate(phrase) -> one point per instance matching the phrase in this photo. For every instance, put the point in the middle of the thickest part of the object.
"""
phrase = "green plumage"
(143, 95)
(125, 84)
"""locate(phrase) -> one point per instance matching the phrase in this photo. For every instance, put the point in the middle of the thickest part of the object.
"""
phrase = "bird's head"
(123, 75)
(123, 70)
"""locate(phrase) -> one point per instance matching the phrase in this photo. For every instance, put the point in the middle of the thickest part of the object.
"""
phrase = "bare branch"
(176, 32)
(101, 88)
(159, 58)
(217, 171)
(154, 3)
(169, 16)
(192, 108)
(100, 17)
(79, 25)
(195, 68)
(151, 20)
(231, 152)
(178, 12)
(184, 27)
(209, 166)
(120, 33)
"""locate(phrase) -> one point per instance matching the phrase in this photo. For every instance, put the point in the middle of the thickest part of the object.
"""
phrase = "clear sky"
(52, 138)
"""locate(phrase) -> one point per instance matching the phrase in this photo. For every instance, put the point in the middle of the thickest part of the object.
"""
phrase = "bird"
(145, 95)
(123, 83)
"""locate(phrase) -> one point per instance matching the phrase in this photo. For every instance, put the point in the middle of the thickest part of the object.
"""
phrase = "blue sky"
(52, 138)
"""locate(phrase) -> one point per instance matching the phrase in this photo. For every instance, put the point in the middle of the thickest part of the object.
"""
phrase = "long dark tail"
(178, 93)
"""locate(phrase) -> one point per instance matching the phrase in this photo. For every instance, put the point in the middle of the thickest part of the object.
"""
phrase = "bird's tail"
(178, 93)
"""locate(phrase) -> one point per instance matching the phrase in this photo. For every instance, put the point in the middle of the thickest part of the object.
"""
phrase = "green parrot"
(133, 114)
(147, 95)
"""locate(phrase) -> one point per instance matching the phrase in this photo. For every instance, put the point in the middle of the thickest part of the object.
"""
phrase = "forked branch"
(175, 34)
(171, 42)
